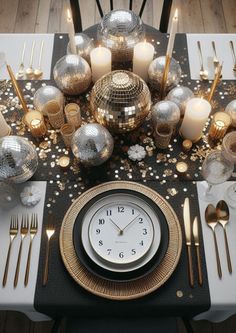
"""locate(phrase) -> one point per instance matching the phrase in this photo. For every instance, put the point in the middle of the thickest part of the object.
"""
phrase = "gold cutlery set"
(30, 72)
(50, 230)
(192, 228)
(203, 73)
(27, 228)
(215, 216)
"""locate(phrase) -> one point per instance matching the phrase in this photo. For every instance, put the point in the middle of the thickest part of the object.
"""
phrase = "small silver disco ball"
(72, 74)
(231, 110)
(46, 94)
(18, 159)
(84, 45)
(120, 101)
(120, 30)
(165, 112)
(156, 69)
(92, 144)
(180, 96)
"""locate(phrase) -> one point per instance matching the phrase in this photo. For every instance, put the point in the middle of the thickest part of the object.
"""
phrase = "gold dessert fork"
(202, 73)
(21, 71)
(23, 233)
(50, 232)
(13, 231)
(33, 232)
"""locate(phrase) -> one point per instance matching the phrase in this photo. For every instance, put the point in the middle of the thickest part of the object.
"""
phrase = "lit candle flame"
(176, 14)
(69, 16)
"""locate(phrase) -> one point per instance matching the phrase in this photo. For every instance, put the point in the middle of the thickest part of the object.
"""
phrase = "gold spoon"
(21, 71)
(29, 71)
(222, 211)
(215, 59)
(202, 73)
(212, 220)
(38, 73)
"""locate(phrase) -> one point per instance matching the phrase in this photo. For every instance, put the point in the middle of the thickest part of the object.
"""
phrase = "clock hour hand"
(129, 223)
(120, 231)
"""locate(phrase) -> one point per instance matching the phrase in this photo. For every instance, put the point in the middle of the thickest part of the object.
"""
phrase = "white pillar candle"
(173, 30)
(195, 117)
(100, 62)
(143, 56)
(71, 32)
(5, 129)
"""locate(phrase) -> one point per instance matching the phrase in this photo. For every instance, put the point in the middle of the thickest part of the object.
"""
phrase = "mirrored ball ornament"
(84, 45)
(72, 74)
(18, 159)
(47, 94)
(165, 112)
(180, 96)
(92, 144)
(231, 110)
(120, 101)
(120, 30)
(155, 73)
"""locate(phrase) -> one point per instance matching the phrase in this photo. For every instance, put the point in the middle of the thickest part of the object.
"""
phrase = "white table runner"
(222, 292)
(223, 51)
(12, 45)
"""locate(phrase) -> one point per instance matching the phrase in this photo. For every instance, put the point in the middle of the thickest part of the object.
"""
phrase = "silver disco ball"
(180, 96)
(156, 69)
(165, 112)
(231, 110)
(92, 144)
(120, 30)
(120, 101)
(18, 159)
(47, 94)
(84, 45)
(72, 74)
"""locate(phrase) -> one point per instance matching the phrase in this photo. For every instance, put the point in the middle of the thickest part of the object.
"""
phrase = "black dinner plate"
(120, 276)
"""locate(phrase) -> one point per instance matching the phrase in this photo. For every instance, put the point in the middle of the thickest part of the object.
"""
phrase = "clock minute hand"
(120, 231)
(129, 223)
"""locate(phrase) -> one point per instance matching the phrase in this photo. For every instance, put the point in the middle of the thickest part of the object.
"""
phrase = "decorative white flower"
(30, 196)
(136, 153)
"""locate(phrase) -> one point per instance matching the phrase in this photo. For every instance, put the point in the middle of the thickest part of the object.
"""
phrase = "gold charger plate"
(118, 290)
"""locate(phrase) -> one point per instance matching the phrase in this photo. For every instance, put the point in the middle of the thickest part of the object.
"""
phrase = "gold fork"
(23, 233)
(13, 231)
(33, 232)
(50, 232)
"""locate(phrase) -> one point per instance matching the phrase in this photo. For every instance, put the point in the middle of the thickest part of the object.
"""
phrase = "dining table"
(215, 299)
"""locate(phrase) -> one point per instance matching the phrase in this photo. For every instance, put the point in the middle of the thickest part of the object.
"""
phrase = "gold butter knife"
(197, 247)
(187, 229)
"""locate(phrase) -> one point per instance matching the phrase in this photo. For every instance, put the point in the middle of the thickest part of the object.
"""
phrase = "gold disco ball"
(120, 101)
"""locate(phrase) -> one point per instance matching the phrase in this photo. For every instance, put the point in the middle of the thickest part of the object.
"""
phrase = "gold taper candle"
(164, 76)
(215, 82)
(17, 89)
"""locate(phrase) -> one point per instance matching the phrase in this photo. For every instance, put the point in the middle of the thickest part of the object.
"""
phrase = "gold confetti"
(172, 191)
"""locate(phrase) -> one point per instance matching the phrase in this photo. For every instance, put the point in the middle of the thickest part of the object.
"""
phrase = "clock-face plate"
(154, 274)
(121, 232)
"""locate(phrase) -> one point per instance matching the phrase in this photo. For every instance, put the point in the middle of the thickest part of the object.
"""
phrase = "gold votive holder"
(181, 168)
(67, 132)
(35, 122)
(162, 135)
(219, 125)
(73, 115)
(55, 114)
(187, 145)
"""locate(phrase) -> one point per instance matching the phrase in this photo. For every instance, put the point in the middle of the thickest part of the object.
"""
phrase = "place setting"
(109, 169)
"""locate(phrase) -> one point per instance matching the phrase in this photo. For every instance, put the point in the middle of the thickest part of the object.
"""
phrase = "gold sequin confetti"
(183, 156)
(42, 154)
(172, 191)
(161, 158)
(45, 144)
(168, 172)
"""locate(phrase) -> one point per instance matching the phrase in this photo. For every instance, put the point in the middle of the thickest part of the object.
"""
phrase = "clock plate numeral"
(133, 252)
(121, 209)
(109, 212)
(101, 221)
(121, 254)
(108, 251)
(100, 243)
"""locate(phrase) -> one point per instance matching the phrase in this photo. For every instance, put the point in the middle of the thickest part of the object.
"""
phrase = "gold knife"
(187, 229)
(197, 247)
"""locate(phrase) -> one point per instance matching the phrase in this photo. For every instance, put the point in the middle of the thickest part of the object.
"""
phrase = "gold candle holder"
(181, 168)
(164, 76)
(55, 113)
(73, 115)
(17, 89)
(215, 82)
(35, 122)
(162, 135)
(67, 132)
(220, 123)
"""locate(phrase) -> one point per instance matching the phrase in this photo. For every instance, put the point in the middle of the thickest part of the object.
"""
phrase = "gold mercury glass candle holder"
(219, 126)
(35, 122)
(67, 132)
(55, 114)
(162, 135)
(73, 115)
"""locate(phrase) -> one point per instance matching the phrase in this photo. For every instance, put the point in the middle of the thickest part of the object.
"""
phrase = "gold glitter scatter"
(172, 191)
(168, 172)
(61, 185)
(52, 164)
(199, 153)
(183, 155)
(45, 144)
(42, 154)
(53, 137)
(161, 158)
(75, 166)
(172, 160)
